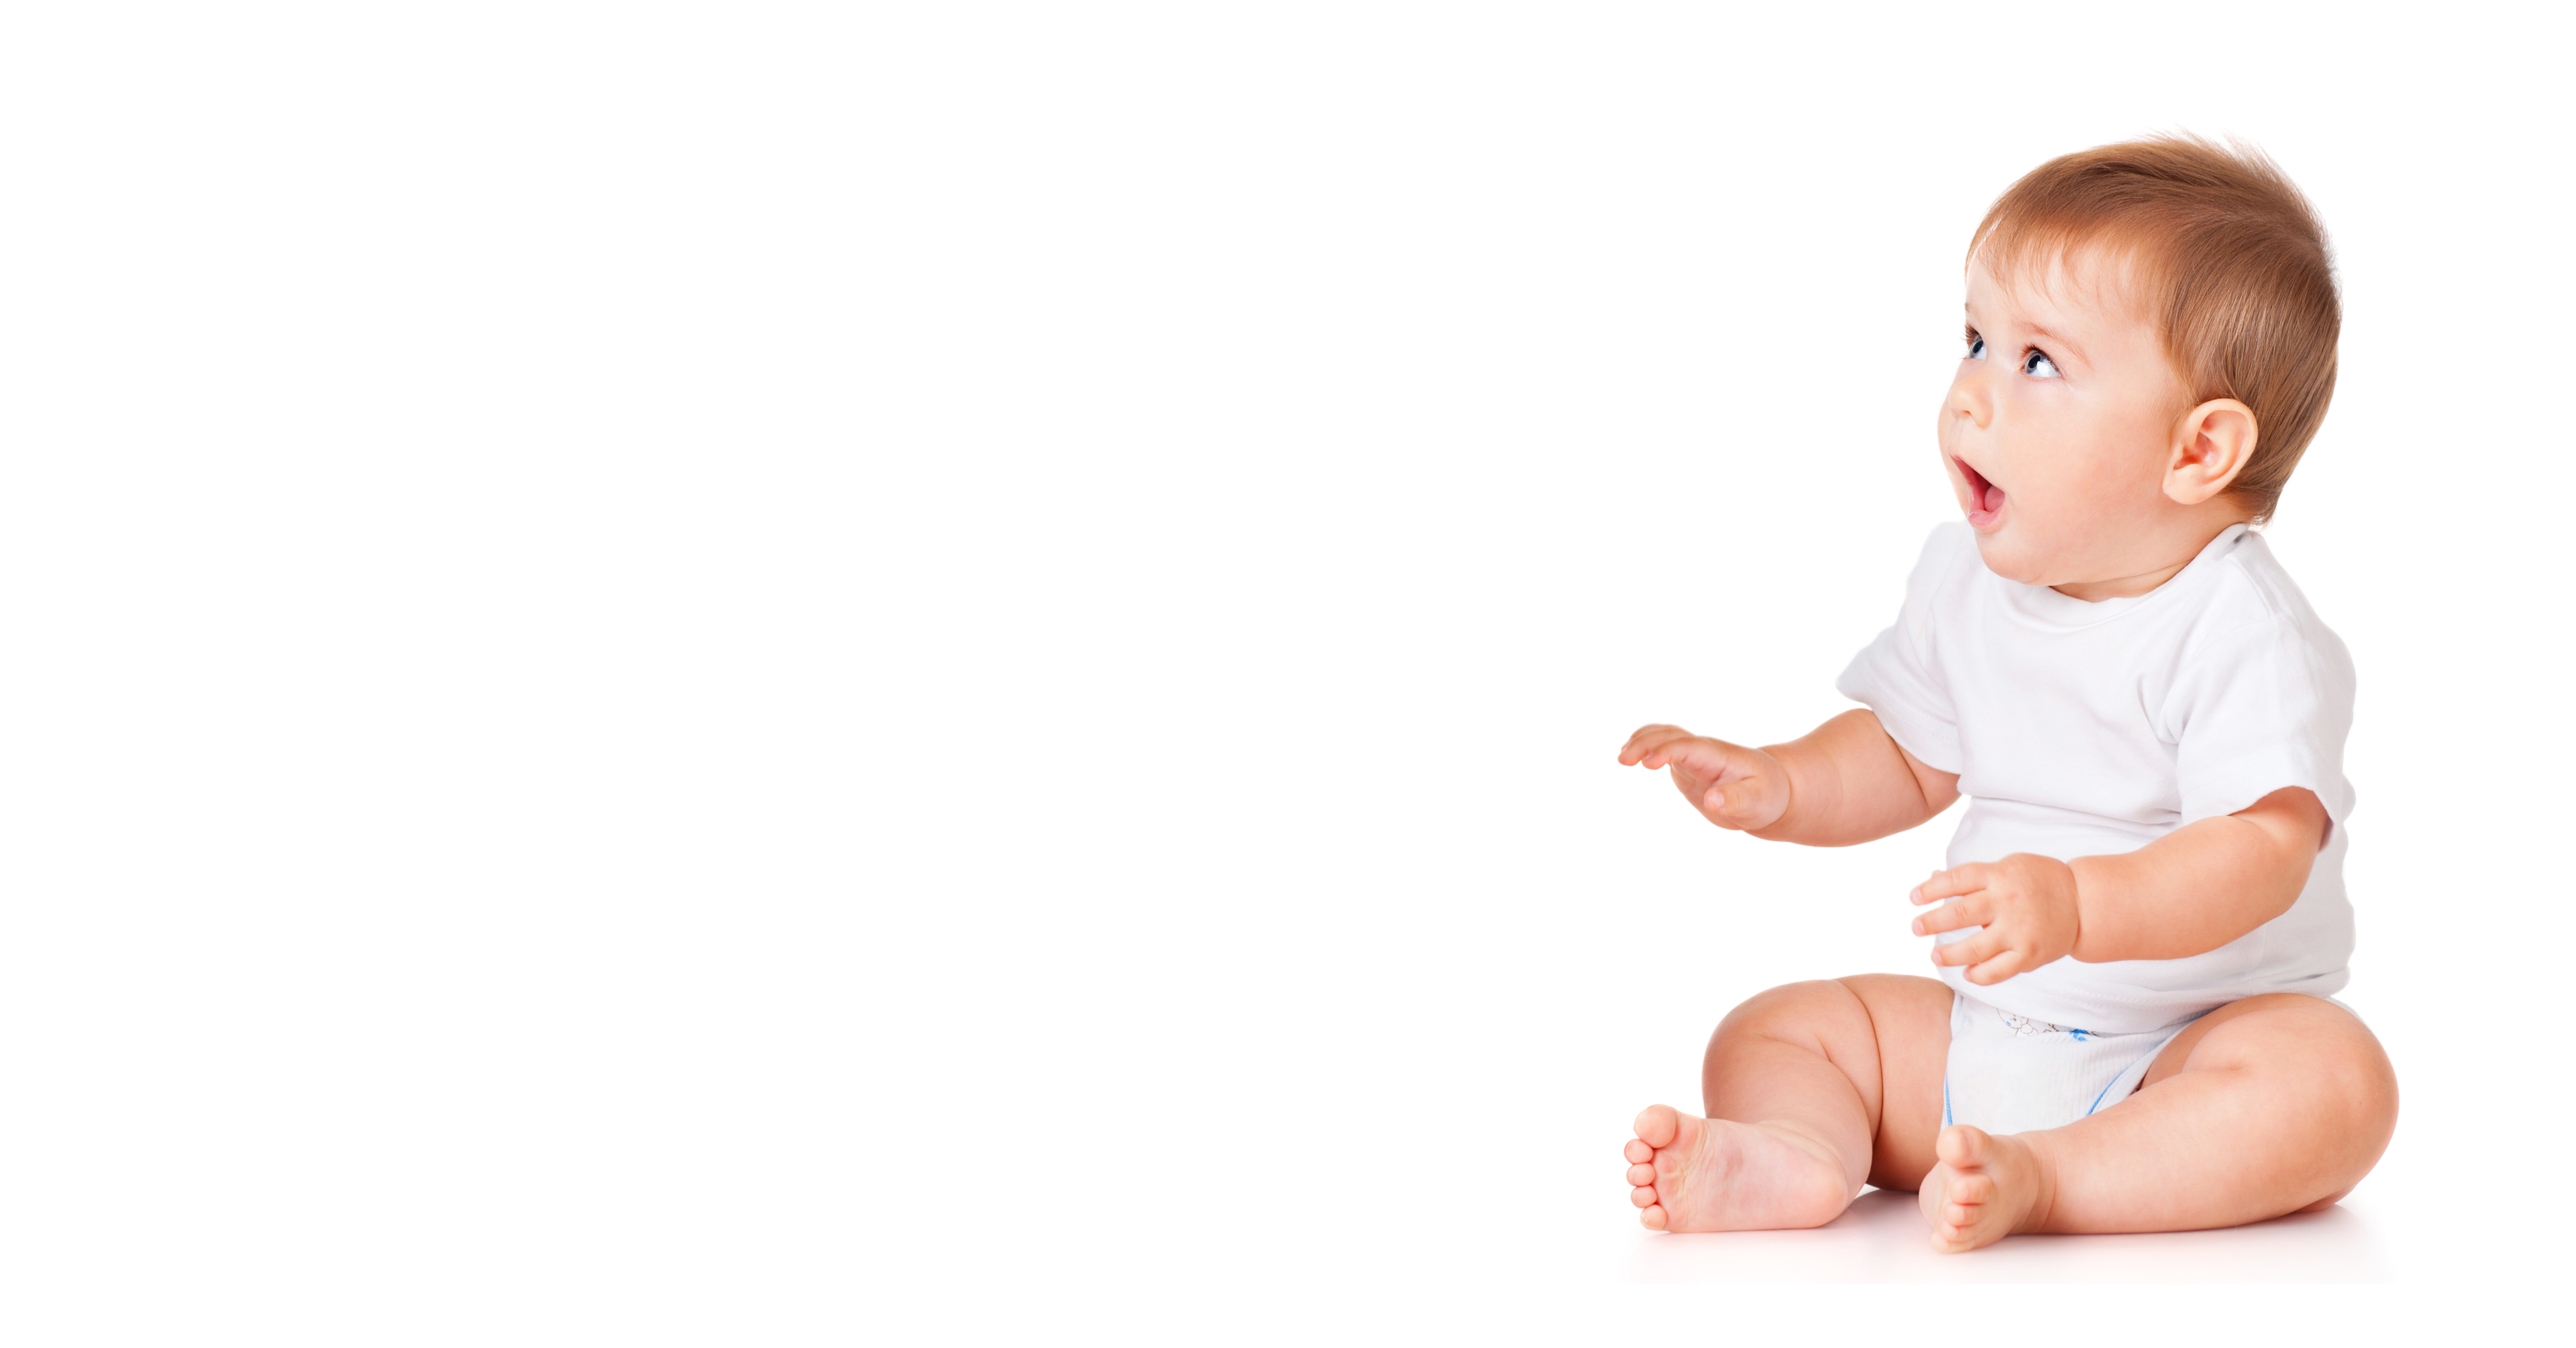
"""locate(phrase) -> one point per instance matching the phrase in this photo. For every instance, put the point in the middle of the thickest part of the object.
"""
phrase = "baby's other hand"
(1735, 787)
(2025, 903)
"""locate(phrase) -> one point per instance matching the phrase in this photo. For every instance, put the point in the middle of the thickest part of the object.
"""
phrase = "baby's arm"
(2187, 893)
(1844, 782)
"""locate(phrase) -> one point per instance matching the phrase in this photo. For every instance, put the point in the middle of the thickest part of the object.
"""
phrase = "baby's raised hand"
(1735, 787)
(2025, 903)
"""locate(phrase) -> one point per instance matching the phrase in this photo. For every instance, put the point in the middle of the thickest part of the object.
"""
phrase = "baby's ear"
(2211, 446)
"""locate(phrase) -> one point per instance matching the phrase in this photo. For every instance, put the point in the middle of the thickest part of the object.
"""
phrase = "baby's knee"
(2354, 1092)
(1791, 1010)
(2360, 1080)
(2322, 1052)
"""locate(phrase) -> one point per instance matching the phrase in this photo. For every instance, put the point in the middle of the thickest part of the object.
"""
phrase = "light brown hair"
(2224, 254)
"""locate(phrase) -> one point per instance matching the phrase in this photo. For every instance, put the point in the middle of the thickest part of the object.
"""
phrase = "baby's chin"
(2007, 554)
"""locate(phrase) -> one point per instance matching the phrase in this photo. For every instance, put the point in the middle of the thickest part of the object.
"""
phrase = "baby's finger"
(1970, 911)
(1738, 796)
(1696, 753)
(1714, 801)
(1951, 883)
(1995, 970)
(1684, 748)
(1645, 740)
(1977, 949)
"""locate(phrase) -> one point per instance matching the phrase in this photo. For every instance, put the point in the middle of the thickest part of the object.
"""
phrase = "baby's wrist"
(2085, 887)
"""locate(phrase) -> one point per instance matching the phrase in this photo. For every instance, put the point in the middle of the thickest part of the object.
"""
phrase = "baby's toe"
(1642, 1176)
(1659, 1125)
(1972, 1188)
(1653, 1217)
(1961, 1145)
(1643, 1196)
(1638, 1152)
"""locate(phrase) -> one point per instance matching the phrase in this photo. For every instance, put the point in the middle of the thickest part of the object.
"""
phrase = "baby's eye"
(2037, 365)
(1976, 347)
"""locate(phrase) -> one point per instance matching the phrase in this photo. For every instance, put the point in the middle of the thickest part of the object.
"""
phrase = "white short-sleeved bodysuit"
(2080, 729)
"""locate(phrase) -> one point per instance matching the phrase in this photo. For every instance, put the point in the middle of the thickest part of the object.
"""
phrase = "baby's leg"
(2271, 1105)
(1810, 1089)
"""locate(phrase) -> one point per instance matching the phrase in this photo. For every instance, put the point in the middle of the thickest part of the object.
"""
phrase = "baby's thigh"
(1911, 1018)
(2318, 1076)
(2286, 1034)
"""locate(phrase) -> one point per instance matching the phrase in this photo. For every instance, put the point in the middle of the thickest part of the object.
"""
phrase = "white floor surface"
(1880, 1240)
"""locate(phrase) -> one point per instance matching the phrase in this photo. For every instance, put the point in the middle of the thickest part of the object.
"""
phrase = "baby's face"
(2059, 427)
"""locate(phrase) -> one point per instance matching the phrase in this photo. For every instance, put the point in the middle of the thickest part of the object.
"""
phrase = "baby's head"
(2151, 343)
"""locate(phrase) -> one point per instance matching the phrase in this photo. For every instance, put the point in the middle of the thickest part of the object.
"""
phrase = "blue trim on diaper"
(2114, 1081)
(1946, 1120)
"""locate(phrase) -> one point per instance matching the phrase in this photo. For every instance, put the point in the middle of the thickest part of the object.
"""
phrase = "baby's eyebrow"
(2067, 342)
(1970, 309)
(2033, 329)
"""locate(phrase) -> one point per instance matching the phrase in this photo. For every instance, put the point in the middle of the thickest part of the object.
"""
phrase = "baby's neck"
(2123, 587)
(2179, 551)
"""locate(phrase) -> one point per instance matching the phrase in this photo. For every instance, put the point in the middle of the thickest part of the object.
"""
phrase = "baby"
(2144, 913)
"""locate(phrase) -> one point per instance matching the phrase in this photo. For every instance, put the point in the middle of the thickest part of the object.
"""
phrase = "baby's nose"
(1968, 399)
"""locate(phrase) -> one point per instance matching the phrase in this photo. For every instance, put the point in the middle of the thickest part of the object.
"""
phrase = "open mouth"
(1985, 499)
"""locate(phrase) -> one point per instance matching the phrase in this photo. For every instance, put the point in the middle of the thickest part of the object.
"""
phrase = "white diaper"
(2012, 1074)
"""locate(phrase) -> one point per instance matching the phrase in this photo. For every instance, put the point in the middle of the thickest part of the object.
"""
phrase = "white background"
(758, 674)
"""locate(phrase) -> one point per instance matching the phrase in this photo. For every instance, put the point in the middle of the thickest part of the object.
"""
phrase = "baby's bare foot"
(1695, 1174)
(1984, 1189)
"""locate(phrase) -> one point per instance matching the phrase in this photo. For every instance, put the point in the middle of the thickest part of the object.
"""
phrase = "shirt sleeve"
(1897, 677)
(2256, 708)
